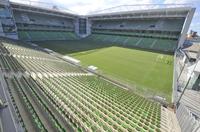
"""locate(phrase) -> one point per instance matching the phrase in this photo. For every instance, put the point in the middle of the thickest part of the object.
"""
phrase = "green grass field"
(147, 71)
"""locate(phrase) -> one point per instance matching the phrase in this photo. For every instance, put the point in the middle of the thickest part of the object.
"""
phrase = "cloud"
(180, 1)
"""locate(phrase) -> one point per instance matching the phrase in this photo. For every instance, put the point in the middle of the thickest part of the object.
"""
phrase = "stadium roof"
(44, 5)
(138, 7)
(116, 9)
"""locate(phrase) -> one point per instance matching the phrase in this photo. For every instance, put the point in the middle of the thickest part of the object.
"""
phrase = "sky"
(86, 6)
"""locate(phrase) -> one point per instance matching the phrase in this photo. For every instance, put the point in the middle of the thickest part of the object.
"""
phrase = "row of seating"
(32, 65)
(140, 24)
(46, 35)
(19, 95)
(30, 19)
(141, 42)
(14, 57)
(14, 102)
(3, 50)
(25, 50)
(42, 27)
(101, 105)
(139, 34)
(41, 105)
(8, 63)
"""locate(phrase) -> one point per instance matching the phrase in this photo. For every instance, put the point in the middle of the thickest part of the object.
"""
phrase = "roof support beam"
(186, 27)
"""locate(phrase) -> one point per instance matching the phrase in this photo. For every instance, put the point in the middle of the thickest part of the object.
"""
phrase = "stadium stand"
(140, 42)
(148, 30)
(149, 24)
(47, 93)
(78, 100)
(94, 93)
(156, 31)
(46, 35)
(16, 57)
(37, 26)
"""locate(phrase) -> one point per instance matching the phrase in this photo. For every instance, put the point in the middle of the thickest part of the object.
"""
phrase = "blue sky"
(85, 6)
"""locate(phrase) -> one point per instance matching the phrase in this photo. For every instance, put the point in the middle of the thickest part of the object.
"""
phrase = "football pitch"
(143, 70)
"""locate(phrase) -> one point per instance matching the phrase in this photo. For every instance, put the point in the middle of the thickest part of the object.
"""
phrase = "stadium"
(109, 70)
